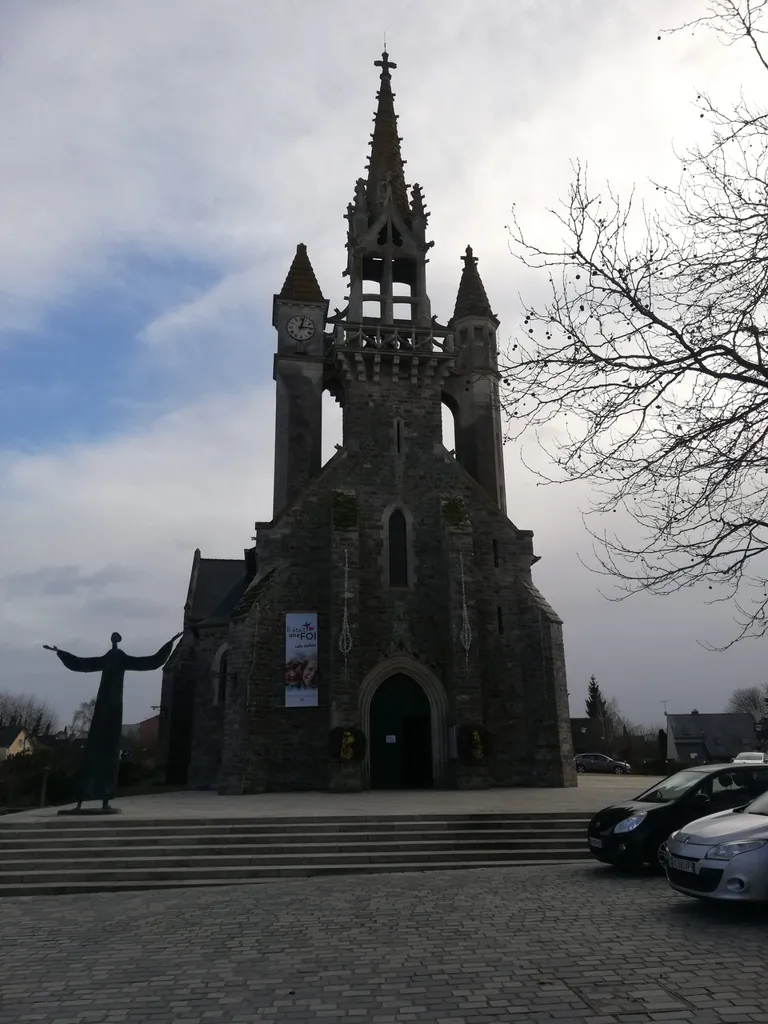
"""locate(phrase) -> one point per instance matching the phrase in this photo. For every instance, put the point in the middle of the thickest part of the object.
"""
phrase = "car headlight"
(631, 823)
(727, 851)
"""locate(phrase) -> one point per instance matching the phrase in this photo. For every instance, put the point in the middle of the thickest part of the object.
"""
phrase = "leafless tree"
(82, 718)
(750, 700)
(651, 358)
(35, 716)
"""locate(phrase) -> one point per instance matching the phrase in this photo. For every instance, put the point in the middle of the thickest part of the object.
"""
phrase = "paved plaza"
(592, 793)
(575, 943)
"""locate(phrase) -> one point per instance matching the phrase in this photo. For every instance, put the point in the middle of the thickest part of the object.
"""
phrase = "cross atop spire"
(385, 64)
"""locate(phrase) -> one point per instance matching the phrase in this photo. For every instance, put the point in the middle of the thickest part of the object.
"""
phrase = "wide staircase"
(55, 856)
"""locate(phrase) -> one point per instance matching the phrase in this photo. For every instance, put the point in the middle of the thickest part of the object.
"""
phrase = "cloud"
(179, 133)
(63, 580)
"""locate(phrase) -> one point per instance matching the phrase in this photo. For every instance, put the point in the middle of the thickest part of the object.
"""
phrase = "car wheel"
(579, 768)
(653, 854)
(618, 770)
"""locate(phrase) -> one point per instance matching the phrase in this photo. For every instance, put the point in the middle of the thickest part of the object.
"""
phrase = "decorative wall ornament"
(345, 636)
(346, 743)
(465, 633)
(253, 659)
(474, 745)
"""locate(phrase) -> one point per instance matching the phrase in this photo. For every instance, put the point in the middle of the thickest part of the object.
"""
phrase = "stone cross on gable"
(385, 64)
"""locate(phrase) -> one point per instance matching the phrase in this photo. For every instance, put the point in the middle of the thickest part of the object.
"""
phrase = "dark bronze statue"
(97, 778)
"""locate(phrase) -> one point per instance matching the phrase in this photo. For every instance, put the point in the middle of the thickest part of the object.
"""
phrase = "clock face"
(300, 328)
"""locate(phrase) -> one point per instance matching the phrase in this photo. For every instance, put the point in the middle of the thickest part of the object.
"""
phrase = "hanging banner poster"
(301, 659)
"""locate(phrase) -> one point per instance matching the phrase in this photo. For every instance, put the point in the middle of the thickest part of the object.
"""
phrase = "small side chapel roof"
(301, 284)
(216, 579)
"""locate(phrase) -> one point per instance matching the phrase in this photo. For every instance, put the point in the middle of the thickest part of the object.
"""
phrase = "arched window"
(221, 681)
(398, 550)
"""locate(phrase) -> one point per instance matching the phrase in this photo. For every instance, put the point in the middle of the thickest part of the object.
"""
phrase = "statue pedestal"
(89, 811)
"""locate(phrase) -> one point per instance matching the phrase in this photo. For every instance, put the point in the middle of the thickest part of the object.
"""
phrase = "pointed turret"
(471, 299)
(301, 284)
(474, 389)
(299, 314)
(386, 165)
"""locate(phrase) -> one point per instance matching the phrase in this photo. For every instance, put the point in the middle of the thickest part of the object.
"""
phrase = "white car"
(723, 856)
(750, 757)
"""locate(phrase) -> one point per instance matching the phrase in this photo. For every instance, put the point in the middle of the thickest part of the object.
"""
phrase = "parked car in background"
(634, 832)
(723, 856)
(600, 763)
(750, 757)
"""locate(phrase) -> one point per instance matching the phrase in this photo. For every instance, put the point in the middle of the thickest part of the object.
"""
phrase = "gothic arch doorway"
(401, 698)
(400, 735)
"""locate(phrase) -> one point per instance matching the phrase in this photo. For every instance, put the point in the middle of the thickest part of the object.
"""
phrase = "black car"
(601, 763)
(630, 833)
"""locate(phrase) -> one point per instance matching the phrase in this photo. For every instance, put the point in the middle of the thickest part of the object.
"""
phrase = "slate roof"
(719, 736)
(217, 580)
(8, 733)
(301, 284)
(471, 299)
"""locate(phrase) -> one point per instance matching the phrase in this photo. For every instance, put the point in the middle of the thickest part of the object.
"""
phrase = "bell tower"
(299, 313)
(389, 355)
(386, 247)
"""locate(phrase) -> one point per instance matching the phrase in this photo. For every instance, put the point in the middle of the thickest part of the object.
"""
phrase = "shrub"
(475, 744)
(346, 743)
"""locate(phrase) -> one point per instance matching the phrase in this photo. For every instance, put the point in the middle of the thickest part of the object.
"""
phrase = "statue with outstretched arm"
(97, 778)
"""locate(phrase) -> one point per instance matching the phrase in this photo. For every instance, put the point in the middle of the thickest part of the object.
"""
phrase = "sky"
(162, 159)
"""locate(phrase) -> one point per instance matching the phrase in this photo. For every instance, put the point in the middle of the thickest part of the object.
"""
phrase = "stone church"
(385, 630)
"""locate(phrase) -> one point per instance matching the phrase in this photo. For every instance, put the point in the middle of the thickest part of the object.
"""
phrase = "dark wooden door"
(401, 736)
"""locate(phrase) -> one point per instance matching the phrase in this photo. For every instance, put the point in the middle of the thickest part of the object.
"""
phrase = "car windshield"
(672, 788)
(758, 806)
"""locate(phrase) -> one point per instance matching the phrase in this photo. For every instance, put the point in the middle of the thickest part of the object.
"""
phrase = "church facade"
(385, 631)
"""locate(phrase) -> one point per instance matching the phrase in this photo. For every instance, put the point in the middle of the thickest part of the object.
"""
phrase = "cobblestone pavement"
(577, 944)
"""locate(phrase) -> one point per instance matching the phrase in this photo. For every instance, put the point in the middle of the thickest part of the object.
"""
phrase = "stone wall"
(207, 744)
(512, 678)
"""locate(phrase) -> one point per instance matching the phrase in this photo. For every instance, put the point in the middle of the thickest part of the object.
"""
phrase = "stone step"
(125, 884)
(10, 825)
(20, 858)
(192, 829)
(89, 855)
(51, 845)
(259, 867)
(113, 867)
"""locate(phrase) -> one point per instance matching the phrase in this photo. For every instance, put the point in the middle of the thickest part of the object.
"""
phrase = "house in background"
(707, 739)
(588, 736)
(14, 740)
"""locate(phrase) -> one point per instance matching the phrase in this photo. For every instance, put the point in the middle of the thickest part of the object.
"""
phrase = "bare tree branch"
(651, 359)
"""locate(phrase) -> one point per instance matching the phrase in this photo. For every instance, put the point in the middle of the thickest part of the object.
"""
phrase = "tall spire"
(385, 167)
(301, 283)
(471, 299)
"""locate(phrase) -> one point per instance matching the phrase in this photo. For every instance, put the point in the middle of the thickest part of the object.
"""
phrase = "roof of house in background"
(8, 734)
(722, 734)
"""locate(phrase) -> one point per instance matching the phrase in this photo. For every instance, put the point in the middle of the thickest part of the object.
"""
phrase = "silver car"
(723, 856)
